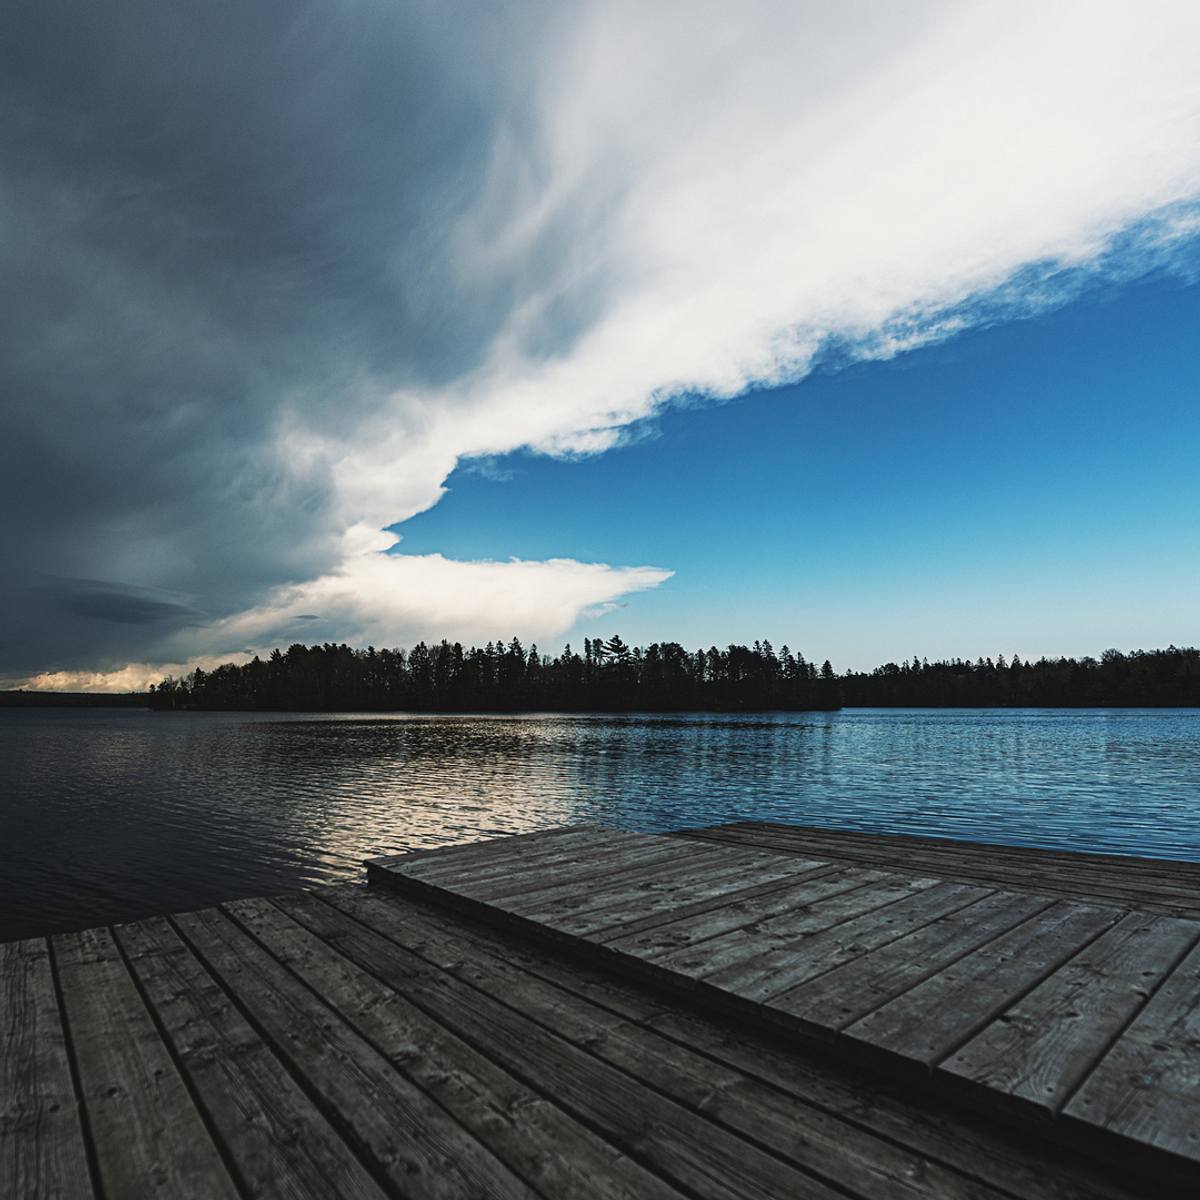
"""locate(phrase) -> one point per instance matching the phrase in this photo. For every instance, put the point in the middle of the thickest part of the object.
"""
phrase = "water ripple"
(111, 815)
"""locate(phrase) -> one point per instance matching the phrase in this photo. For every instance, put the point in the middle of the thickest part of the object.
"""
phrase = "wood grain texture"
(782, 968)
(1154, 885)
(42, 1152)
(511, 858)
(525, 1129)
(547, 883)
(149, 1137)
(362, 1042)
(898, 846)
(1041, 1048)
(942, 1012)
(557, 889)
(851, 991)
(1147, 1087)
(665, 1135)
(421, 1148)
(1009, 992)
(662, 891)
(704, 904)
(943, 1135)
(816, 1144)
(275, 1136)
(823, 907)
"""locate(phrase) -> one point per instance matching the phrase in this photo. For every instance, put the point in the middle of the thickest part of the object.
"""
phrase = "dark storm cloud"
(92, 598)
(218, 221)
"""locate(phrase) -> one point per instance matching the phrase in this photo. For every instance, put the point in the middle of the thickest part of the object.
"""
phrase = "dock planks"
(44, 1151)
(351, 1043)
(360, 1042)
(1147, 884)
(1016, 999)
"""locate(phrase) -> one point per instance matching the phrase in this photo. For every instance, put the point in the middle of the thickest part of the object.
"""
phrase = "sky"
(866, 328)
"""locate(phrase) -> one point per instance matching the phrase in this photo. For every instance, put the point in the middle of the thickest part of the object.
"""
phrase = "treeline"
(609, 676)
(1141, 678)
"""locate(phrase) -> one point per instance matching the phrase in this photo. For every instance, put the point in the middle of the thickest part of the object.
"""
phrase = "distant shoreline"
(23, 699)
(613, 677)
(142, 700)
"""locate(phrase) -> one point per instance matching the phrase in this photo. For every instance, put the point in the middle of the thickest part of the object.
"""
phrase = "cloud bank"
(269, 272)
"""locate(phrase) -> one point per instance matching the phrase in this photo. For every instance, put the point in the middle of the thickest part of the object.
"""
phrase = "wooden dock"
(1025, 983)
(1147, 884)
(369, 1042)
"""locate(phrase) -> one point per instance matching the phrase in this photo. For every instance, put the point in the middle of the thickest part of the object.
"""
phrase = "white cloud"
(778, 175)
(392, 599)
(133, 677)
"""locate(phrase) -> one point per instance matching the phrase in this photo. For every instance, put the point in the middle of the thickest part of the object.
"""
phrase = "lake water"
(106, 815)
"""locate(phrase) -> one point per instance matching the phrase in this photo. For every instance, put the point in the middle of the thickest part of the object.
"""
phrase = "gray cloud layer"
(218, 221)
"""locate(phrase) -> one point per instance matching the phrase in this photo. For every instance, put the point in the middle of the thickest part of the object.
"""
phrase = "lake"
(107, 815)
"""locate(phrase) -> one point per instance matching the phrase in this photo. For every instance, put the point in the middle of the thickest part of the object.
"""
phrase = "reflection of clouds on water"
(108, 815)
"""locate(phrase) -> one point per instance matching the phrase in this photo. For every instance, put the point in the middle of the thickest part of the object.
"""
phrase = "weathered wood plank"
(591, 857)
(767, 977)
(1152, 884)
(490, 849)
(979, 1147)
(709, 918)
(1018, 1165)
(149, 1137)
(1174, 878)
(278, 1141)
(829, 964)
(1147, 1087)
(586, 874)
(42, 1152)
(705, 905)
(1174, 870)
(1039, 1049)
(828, 906)
(663, 890)
(633, 851)
(423, 1151)
(845, 994)
(500, 858)
(482, 1026)
(811, 1138)
(933, 1018)
(514, 857)
(670, 1138)
(523, 1128)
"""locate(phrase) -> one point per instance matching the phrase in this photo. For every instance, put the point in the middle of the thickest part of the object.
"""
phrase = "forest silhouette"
(611, 676)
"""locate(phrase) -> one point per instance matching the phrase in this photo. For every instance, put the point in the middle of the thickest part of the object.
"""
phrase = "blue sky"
(1029, 488)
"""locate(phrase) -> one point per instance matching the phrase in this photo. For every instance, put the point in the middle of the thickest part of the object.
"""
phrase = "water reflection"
(109, 815)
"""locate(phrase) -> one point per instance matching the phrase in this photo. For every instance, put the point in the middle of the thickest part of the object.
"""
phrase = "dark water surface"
(106, 815)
